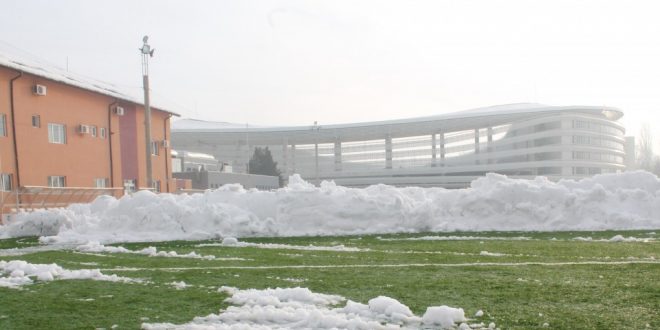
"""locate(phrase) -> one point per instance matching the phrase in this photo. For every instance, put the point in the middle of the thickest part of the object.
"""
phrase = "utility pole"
(146, 53)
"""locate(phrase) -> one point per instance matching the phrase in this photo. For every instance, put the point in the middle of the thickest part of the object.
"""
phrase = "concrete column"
(566, 155)
(433, 151)
(285, 161)
(337, 155)
(490, 145)
(248, 155)
(442, 148)
(293, 159)
(388, 152)
(476, 144)
(316, 163)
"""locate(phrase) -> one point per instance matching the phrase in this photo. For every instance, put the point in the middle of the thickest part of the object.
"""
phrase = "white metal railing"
(28, 198)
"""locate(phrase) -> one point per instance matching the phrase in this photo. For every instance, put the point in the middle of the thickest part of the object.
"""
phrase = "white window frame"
(156, 185)
(56, 181)
(93, 130)
(3, 124)
(154, 148)
(5, 182)
(101, 182)
(102, 133)
(56, 133)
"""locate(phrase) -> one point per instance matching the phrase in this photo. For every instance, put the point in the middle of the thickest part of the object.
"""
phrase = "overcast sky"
(283, 62)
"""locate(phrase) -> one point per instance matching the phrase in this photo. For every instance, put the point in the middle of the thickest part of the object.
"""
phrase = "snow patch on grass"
(16, 273)
(457, 238)
(492, 254)
(234, 242)
(179, 285)
(300, 308)
(615, 239)
(96, 247)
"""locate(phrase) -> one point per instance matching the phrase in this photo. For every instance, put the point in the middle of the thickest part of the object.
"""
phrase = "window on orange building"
(101, 182)
(130, 186)
(3, 124)
(102, 133)
(56, 133)
(57, 181)
(36, 121)
(154, 148)
(5, 182)
(92, 130)
(156, 185)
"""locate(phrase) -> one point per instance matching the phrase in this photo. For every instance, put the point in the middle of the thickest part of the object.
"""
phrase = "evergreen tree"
(262, 163)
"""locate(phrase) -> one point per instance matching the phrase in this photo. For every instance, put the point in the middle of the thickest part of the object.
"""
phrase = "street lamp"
(146, 53)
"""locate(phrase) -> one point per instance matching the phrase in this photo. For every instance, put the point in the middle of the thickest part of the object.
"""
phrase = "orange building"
(61, 131)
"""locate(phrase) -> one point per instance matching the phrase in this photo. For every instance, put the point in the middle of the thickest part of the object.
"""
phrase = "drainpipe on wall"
(167, 166)
(13, 129)
(112, 170)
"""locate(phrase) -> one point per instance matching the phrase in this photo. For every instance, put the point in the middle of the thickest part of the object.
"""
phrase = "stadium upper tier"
(450, 150)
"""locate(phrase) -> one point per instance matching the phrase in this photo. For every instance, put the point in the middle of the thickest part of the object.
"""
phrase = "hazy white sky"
(287, 62)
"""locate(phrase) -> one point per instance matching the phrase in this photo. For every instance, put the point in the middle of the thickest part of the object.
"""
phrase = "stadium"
(448, 150)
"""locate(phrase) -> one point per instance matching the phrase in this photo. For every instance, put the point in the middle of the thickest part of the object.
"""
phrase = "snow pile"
(300, 308)
(233, 242)
(628, 200)
(16, 273)
(151, 251)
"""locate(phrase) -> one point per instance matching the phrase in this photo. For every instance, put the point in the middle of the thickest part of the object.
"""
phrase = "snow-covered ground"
(16, 273)
(300, 308)
(622, 201)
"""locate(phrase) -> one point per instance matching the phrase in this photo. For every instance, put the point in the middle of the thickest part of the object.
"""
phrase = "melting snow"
(300, 308)
(615, 238)
(458, 238)
(492, 254)
(179, 285)
(233, 242)
(16, 273)
(149, 251)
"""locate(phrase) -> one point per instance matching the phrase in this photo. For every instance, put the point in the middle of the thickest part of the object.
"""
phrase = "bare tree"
(645, 155)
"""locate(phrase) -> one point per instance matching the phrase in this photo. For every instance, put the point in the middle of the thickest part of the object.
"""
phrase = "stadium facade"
(449, 150)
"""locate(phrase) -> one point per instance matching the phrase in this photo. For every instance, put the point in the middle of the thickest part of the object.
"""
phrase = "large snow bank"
(613, 201)
(300, 308)
(16, 273)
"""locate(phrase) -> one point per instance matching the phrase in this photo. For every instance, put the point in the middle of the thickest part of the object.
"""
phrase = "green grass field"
(519, 284)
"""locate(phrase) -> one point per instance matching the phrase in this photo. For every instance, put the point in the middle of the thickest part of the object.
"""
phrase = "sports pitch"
(558, 280)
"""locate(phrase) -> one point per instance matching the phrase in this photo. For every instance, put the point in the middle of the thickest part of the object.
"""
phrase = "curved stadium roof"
(467, 119)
